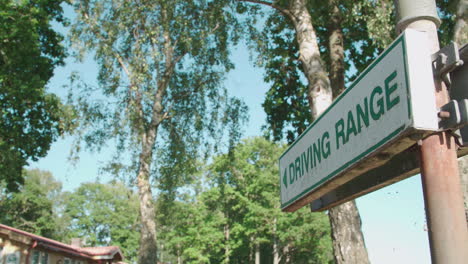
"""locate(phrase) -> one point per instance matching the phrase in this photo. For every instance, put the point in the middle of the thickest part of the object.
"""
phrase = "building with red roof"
(20, 247)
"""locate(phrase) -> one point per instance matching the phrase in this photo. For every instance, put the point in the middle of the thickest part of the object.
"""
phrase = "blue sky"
(393, 219)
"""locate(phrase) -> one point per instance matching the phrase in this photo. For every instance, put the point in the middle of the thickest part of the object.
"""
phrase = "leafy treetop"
(31, 118)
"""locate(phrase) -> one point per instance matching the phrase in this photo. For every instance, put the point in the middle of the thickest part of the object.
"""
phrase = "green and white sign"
(391, 99)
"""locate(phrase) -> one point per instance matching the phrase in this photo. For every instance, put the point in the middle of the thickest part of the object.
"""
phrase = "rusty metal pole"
(448, 234)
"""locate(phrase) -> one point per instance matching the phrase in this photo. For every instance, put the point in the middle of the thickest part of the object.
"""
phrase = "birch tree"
(310, 38)
(160, 69)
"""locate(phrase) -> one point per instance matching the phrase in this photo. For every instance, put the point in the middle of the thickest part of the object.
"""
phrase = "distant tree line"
(230, 214)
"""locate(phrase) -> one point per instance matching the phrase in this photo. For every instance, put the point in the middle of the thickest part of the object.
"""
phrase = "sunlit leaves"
(245, 193)
(161, 64)
(33, 207)
(31, 118)
(286, 103)
(104, 214)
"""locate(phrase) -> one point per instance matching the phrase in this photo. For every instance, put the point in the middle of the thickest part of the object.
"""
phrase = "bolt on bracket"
(453, 115)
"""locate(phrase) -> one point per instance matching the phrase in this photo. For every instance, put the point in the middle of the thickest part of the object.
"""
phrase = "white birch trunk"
(276, 258)
(287, 256)
(146, 253)
(348, 241)
(227, 250)
(179, 257)
(461, 27)
(257, 253)
(319, 90)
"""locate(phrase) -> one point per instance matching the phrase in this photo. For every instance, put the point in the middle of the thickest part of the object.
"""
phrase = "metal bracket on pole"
(450, 64)
(445, 61)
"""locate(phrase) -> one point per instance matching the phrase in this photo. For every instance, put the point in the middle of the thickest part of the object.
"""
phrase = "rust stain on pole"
(448, 234)
(443, 200)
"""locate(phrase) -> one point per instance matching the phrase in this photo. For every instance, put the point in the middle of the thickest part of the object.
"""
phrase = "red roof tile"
(96, 251)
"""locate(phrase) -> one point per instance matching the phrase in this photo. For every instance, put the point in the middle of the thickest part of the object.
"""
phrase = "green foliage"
(241, 201)
(191, 231)
(31, 118)
(368, 27)
(104, 214)
(239, 210)
(161, 66)
(161, 70)
(249, 174)
(32, 208)
(286, 104)
(446, 11)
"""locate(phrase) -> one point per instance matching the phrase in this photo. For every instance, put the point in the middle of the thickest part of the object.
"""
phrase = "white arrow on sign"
(392, 98)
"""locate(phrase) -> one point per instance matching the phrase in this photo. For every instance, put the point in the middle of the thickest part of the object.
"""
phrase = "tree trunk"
(460, 36)
(179, 257)
(319, 91)
(461, 29)
(348, 241)
(276, 258)
(336, 47)
(251, 251)
(347, 237)
(227, 251)
(147, 253)
(287, 256)
(257, 253)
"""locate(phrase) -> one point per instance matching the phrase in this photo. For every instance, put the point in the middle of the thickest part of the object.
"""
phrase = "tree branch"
(283, 11)
(170, 63)
(132, 88)
(157, 108)
(122, 63)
